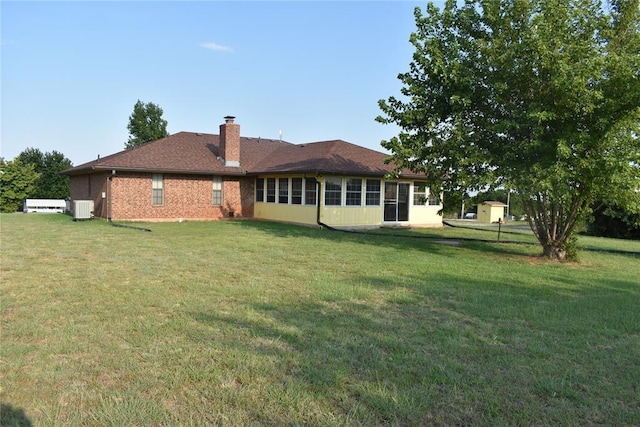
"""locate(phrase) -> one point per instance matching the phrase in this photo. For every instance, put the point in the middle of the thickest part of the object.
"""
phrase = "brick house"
(198, 176)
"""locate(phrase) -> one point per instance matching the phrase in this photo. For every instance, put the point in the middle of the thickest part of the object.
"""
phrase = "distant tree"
(610, 220)
(32, 156)
(452, 203)
(51, 184)
(17, 182)
(540, 96)
(145, 124)
(55, 184)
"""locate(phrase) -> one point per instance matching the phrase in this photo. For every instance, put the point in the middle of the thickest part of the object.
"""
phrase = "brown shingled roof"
(197, 153)
(183, 152)
(327, 157)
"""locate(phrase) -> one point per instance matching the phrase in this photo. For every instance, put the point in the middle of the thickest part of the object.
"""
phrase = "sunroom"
(346, 201)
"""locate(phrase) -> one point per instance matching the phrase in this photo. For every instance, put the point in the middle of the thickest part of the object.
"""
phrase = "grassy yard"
(248, 323)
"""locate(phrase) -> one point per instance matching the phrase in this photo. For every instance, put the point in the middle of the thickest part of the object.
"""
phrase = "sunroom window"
(332, 191)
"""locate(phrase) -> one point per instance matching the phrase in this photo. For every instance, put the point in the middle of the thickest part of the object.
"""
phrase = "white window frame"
(216, 197)
(355, 201)
(310, 186)
(274, 195)
(260, 189)
(420, 190)
(336, 180)
(370, 192)
(297, 198)
(157, 189)
(433, 199)
(284, 193)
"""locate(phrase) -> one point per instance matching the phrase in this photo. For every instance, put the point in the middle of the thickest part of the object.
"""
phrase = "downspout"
(318, 195)
(109, 178)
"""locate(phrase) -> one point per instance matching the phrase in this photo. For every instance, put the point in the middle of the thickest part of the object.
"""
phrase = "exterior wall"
(128, 196)
(184, 196)
(299, 214)
(351, 216)
(243, 189)
(425, 216)
(489, 214)
(90, 187)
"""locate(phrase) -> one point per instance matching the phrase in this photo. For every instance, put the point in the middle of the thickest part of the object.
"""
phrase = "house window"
(372, 194)
(310, 191)
(271, 190)
(419, 193)
(296, 191)
(259, 189)
(217, 190)
(434, 199)
(283, 190)
(157, 189)
(354, 192)
(332, 191)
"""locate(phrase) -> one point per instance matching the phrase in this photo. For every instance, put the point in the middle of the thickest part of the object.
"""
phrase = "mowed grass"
(245, 323)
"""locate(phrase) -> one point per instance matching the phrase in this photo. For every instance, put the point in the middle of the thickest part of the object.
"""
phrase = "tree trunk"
(555, 251)
(553, 226)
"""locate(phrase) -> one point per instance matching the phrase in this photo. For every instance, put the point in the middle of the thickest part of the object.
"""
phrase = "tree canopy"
(541, 97)
(50, 183)
(17, 182)
(145, 124)
(609, 220)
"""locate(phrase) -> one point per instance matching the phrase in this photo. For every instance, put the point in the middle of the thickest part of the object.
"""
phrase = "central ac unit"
(82, 209)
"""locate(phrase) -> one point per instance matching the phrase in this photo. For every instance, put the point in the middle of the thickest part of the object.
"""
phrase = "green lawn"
(249, 323)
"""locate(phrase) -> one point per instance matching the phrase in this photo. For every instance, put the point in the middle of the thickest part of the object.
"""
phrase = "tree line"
(32, 175)
(605, 219)
(36, 175)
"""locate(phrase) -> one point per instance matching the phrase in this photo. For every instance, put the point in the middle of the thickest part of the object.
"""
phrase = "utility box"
(82, 209)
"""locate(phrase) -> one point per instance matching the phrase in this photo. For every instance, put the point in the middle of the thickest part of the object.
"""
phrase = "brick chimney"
(230, 142)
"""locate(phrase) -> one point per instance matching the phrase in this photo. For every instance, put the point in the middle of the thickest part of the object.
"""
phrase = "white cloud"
(216, 46)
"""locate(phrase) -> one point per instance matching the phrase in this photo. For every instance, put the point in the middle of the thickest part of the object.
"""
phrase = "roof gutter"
(101, 168)
(317, 173)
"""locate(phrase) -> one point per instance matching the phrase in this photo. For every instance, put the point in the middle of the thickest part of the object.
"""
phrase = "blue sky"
(72, 71)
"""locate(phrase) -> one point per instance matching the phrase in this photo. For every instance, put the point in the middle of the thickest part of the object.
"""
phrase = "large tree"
(145, 124)
(539, 96)
(50, 184)
(17, 182)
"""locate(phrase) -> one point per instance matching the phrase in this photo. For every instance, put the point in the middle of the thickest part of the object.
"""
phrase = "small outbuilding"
(490, 212)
